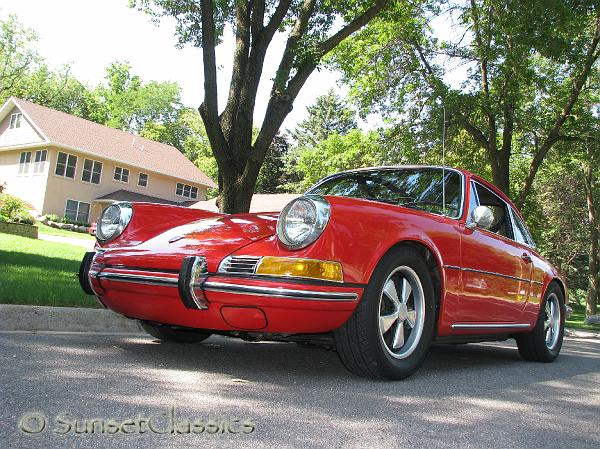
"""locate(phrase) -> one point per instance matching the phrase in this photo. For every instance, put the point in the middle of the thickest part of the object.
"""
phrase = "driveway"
(471, 396)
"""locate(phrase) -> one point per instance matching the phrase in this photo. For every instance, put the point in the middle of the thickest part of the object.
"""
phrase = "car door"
(495, 270)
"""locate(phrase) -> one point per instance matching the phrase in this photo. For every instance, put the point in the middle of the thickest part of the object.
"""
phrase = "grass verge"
(43, 229)
(576, 321)
(41, 273)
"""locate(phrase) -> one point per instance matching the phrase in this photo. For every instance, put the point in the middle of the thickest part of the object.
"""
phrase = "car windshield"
(418, 188)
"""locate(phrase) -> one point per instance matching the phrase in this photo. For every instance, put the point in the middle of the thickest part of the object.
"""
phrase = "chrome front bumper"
(193, 281)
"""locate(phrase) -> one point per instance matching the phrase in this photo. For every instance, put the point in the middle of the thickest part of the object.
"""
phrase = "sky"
(90, 34)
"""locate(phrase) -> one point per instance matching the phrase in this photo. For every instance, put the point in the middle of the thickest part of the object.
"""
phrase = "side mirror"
(482, 216)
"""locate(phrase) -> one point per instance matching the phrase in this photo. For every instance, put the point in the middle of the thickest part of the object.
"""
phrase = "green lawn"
(43, 229)
(576, 320)
(40, 273)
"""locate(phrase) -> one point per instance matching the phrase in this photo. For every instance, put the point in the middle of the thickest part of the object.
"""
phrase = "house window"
(121, 174)
(77, 211)
(186, 191)
(65, 165)
(143, 180)
(91, 171)
(15, 121)
(24, 161)
(40, 161)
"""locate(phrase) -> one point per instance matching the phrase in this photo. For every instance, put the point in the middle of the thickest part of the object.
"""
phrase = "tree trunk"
(501, 171)
(592, 296)
(237, 190)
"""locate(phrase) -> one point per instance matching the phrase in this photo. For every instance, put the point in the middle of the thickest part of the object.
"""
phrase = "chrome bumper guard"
(192, 284)
(192, 276)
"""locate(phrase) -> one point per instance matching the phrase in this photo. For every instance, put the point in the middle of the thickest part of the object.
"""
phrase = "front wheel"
(390, 331)
(544, 342)
(167, 333)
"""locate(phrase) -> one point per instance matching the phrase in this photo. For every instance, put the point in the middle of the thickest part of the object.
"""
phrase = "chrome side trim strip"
(279, 292)
(491, 273)
(473, 270)
(139, 278)
(490, 326)
(538, 282)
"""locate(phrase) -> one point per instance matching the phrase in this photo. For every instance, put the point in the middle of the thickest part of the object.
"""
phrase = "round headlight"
(113, 221)
(302, 221)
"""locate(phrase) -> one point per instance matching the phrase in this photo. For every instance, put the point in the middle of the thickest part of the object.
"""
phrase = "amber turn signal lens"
(305, 268)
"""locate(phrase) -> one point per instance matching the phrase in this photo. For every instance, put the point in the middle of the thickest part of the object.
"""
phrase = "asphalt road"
(471, 396)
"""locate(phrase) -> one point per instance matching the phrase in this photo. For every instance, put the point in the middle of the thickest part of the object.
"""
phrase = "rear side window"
(522, 234)
(501, 224)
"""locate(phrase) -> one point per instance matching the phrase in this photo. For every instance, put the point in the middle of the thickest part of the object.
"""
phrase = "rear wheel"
(390, 331)
(544, 342)
(167, 333)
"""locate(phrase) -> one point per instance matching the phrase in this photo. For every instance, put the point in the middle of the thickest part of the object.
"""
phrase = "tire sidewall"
(539, 332)
(390, 366)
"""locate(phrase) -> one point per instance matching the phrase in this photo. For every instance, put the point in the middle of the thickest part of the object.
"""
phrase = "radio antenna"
(444, 162)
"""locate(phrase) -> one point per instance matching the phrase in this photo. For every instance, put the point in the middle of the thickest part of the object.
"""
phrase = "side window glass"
(501, 224)
(472, 202)
(520, 230)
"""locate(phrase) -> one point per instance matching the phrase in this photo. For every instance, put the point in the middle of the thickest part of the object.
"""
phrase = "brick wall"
(23, 230)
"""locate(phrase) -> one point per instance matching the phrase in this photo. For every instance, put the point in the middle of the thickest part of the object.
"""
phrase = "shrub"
(55, 218)
(24, 218)
(58, 219)
(12, 207)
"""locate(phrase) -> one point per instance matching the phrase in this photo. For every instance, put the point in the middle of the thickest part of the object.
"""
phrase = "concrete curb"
(74, 319)
(64, 319)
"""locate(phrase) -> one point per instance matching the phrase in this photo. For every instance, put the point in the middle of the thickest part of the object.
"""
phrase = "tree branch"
(553, 134)
(209, 109)
(240, 64)
(356, 24)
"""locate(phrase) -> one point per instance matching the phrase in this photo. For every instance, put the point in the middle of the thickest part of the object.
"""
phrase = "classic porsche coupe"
(376, 263)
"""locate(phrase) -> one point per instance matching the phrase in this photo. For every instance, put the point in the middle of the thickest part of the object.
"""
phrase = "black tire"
(363, 344)
(538, 345)
(167, 333)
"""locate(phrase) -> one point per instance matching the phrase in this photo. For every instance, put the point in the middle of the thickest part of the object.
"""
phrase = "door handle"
(526, 257)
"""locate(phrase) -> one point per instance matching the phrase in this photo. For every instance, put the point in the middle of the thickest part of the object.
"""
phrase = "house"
(68, 166)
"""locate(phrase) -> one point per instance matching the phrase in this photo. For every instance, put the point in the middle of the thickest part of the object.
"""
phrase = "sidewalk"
(87, 244)
(63, 319)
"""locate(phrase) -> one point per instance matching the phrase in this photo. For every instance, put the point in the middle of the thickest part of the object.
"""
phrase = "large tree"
(313, 27)
(527, 62)
(17, 56)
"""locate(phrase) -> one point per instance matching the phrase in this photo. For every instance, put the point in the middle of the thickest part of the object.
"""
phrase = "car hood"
(214, 238)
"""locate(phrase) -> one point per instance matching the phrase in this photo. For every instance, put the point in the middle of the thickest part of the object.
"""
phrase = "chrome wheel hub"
(552, 321)
(401, 312)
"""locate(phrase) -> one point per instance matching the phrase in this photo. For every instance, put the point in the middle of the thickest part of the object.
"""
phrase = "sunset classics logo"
(161, 423)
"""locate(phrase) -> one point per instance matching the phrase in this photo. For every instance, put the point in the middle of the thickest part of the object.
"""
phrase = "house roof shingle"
(65, 129)
(261, 202)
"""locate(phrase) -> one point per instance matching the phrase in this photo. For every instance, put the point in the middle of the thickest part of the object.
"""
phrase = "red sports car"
(377, 263)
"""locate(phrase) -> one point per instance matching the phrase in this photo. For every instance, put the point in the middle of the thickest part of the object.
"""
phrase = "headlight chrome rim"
(321, 209)
(125, 212)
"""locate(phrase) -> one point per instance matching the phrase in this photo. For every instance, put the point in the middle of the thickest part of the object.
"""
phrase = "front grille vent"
(239, 265)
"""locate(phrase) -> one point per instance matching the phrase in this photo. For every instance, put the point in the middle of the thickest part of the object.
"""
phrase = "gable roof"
(89, 137)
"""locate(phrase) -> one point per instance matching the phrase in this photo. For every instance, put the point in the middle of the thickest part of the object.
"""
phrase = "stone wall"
(23, 230)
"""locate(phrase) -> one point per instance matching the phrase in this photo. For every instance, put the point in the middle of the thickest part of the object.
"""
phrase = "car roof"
(469, 175)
